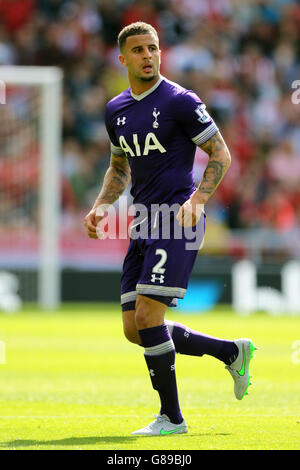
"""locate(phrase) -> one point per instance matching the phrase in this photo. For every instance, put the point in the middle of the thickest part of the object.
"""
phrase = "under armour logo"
(161, 278)
(151, 372)
(121, 121)
(155, 115)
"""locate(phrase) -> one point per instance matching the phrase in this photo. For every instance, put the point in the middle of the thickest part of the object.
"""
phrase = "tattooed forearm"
(115, 181)
(218, 164)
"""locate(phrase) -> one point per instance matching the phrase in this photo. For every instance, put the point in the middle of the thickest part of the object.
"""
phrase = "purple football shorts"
(160, 259)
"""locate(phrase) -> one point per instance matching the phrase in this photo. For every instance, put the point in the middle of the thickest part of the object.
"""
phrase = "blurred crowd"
(242, 57)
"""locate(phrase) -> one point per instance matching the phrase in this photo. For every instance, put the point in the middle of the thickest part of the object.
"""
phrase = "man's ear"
(122, 60)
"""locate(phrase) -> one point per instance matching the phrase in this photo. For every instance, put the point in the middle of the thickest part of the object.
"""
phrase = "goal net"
(30, 117)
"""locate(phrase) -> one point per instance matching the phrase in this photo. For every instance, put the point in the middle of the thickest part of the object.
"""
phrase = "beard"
(148, 79)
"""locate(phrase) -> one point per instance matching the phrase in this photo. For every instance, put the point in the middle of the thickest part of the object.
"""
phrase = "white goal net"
(30, 128)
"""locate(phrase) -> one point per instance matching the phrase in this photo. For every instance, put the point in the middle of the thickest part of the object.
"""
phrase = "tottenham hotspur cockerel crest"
(155, 114)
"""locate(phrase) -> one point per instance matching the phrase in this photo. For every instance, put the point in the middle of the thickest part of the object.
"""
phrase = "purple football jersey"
(158, 131)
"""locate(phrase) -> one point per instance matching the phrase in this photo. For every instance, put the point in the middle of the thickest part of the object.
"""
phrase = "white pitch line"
(67, 417)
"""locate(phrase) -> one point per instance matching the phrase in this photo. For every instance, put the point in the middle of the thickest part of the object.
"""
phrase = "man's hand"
(93, 219)
(190, 212)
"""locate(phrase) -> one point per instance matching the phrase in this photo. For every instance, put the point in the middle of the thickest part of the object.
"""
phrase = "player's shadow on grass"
(69, 441)
(90, 440)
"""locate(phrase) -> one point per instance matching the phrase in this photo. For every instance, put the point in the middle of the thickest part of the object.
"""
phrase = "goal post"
(49, 81)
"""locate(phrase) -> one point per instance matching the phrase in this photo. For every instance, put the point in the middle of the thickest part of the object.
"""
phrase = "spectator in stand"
(15, 14)
(284, 166)
(8, 52)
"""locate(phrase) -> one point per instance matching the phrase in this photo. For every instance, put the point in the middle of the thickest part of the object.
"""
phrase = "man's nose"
(147, 53)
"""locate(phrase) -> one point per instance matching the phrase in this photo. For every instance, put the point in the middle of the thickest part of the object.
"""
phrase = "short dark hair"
(134, 29)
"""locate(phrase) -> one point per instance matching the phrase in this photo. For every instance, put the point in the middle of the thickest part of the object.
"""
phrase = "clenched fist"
(92, 220)
(189, 213)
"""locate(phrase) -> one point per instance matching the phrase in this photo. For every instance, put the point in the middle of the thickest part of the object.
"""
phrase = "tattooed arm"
(218, 164)
(115, 181)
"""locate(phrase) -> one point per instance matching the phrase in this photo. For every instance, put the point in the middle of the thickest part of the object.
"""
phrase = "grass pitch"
(71, 381)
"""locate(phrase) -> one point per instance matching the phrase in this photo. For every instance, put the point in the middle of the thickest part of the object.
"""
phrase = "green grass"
(71, 381)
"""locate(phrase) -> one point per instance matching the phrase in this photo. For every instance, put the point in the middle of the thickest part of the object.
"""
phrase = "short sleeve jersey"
(158, 132)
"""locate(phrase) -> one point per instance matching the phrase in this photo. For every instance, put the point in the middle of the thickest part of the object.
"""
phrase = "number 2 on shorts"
(158, 268)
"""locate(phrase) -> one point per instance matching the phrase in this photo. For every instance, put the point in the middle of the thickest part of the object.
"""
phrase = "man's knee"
(148, 313)
(142, 314)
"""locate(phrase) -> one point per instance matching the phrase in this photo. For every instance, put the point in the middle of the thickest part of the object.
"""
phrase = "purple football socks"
(160, 359)
(194, 343)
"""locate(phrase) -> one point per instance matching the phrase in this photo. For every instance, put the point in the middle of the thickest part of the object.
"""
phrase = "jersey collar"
(146, 93)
